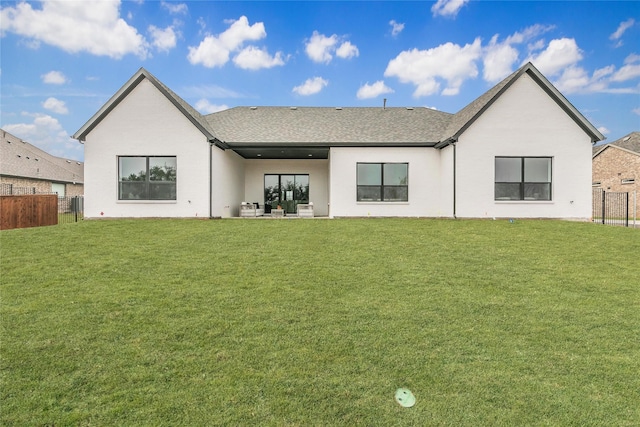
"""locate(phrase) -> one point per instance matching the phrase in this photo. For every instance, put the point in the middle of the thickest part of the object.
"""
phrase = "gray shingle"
(324, 125)
(629, 142)
(21, 159)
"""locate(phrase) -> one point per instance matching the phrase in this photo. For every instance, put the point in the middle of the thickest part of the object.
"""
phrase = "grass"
(69, 217)
(318, 322)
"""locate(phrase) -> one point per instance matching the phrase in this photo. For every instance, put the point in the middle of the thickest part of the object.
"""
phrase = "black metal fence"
(610, 207)
(70, 208)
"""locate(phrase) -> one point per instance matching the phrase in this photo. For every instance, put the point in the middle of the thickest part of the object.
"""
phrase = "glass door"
(286, 191)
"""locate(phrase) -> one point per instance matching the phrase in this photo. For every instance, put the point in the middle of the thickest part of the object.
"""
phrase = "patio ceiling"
(283, 152)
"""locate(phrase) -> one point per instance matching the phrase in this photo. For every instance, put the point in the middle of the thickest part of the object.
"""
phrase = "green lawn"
(318, 322)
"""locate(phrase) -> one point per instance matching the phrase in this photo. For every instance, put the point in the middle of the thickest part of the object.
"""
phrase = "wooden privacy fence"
(28, 211)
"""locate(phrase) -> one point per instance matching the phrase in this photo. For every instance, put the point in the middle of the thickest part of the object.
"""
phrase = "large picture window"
(383, 182)
(523, 178)
(147, 178)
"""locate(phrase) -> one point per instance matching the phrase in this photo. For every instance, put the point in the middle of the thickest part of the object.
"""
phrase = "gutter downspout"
(454, 179)
(210, 179)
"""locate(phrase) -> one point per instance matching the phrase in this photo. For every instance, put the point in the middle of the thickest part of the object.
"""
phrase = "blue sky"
(62, 60)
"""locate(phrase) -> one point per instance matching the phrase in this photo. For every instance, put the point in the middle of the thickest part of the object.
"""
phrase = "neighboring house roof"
(629, 143)
(23, 160)
(465, 117)
(189, 112)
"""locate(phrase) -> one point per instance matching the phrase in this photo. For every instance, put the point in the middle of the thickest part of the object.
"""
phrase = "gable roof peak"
(185, 108)
(469, 114)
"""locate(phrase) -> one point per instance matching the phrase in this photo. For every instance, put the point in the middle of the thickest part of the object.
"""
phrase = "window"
(147, 178)
(523, 178)
(383, 182)
(628, 181)
(58, 189)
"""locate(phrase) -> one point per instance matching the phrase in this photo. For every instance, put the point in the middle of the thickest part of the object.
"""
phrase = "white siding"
(318, 179)
(424, 182)
(446, 186)
(227, 183)
(524, 121)
(146, 123)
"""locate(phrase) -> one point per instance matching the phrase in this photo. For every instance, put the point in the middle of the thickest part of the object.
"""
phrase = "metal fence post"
(626, 223)
(603, 204)
(635, 207)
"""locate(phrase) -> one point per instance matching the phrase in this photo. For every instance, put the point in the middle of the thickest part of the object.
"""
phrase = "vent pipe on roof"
(384, 104)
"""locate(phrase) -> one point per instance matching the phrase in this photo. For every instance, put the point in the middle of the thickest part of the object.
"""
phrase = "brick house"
(616, 168)
(26, 169)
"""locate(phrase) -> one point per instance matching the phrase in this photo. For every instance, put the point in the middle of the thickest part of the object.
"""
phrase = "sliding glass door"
(286, 191)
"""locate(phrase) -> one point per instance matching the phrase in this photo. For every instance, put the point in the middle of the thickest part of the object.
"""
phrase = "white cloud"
(636, 111)
(447, 7)
(537, 45)
(424, 68)
(575, 79)
(559, 54)
(77, 26)
(498, 60)
(626, 72)
(371, 91)
(529, 33)
(214, 51)
(163, 40)
(500, 56)
(54, 78)
(210, 53)
(624, 26)
(561, 58)
(311, 86)
(347, 51)
(55, 105)
(603, 130)
(321, 48)
(175, 8)
(46, 133)
(205, 107)
(396, 27)
(253, 58)
(632, 58)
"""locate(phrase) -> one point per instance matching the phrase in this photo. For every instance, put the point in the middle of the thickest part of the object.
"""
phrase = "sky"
(62, 60)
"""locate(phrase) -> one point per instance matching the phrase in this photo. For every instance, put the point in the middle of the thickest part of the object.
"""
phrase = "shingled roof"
(243, 127)
(630, 142)
(20, 159)
(326, 126)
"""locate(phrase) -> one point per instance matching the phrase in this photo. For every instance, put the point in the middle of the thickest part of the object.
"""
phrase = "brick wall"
(613, 165)
(36, 186)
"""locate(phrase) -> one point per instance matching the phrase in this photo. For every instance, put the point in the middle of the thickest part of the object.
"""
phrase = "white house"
(520, 150)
